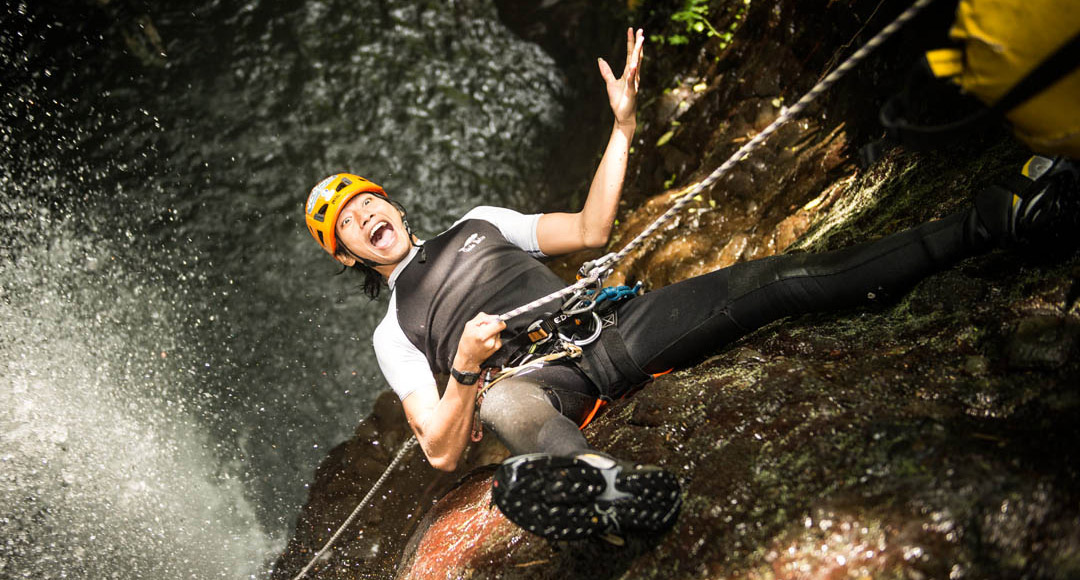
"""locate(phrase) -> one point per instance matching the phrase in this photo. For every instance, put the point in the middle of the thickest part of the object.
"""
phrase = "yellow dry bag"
(1022, 59)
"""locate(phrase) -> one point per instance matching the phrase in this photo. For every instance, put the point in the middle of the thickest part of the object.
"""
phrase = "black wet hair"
(373, 281)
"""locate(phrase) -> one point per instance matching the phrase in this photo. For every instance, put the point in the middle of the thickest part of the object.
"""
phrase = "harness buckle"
(541, 330)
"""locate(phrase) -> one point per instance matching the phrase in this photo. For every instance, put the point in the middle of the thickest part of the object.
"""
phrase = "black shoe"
(1043, 207)
(589, 495)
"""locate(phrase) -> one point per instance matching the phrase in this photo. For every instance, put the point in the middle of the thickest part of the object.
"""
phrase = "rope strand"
(382, 479)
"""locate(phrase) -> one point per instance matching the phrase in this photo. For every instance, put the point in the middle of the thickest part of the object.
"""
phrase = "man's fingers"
(635, 42)
(639, 53)
(485, 318)
(639, 47)
(631, 45)
(489, 325)
(605, 70)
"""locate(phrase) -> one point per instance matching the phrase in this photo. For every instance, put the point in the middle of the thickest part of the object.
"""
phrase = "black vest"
(470, 268)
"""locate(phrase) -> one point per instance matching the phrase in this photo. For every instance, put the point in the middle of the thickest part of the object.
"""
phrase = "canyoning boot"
(585, 496)
(1041, 207)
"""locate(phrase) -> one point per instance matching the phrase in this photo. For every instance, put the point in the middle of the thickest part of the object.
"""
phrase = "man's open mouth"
(383, 235)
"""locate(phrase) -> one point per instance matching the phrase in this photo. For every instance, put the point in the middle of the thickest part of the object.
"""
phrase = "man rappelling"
(447, 293)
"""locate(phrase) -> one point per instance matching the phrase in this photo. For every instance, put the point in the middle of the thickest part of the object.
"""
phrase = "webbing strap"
(620, 357)
(521, 342)
(567, 350)
(1064, 60)
(592, 414)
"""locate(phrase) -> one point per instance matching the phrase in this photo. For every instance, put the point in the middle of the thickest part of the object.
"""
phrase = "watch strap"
(464, 378)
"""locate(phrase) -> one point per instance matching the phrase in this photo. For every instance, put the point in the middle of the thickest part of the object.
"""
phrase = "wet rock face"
(464, 530)
(1042, 342)
(725, 98)
(896, 463)
(372, 545)
(926, 435)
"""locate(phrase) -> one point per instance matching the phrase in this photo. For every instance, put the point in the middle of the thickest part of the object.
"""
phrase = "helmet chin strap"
(408, 231)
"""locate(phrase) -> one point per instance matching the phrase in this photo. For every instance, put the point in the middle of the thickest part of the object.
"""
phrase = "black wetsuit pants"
(681, 324)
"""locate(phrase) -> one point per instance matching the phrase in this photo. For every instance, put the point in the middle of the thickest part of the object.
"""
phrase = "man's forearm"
(445, 432)
(602, 203)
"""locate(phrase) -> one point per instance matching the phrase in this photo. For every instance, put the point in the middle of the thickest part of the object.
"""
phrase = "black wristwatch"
(464, 378)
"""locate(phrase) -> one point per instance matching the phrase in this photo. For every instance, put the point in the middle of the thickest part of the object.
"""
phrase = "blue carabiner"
(617, 293)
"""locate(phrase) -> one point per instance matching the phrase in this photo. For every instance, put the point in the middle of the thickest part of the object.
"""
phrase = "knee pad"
(511, 399)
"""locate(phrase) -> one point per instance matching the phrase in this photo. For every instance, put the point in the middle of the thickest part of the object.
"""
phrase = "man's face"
(370, 227)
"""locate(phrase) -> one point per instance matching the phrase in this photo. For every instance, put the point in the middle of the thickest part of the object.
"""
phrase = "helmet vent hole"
(345, 182)
(321, 239)
(321, 214)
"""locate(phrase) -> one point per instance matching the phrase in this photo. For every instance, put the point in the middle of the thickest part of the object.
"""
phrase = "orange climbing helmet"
(326, 200)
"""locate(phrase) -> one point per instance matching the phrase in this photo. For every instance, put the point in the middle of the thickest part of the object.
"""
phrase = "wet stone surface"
(1042, 342)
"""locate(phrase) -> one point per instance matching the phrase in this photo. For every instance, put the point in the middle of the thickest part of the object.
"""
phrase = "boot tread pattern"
(559, 497)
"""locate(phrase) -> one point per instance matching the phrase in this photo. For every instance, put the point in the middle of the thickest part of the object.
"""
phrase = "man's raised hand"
(622, 91)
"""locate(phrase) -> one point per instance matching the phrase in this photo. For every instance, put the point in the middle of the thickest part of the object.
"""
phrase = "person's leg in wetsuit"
(678, 325)
(556, 485)
(538, 411)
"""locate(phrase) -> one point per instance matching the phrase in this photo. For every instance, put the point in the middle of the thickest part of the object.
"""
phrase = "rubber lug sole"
(573, 498)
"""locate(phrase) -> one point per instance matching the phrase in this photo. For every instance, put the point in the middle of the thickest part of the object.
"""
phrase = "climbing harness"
(378, 483)
(566, 350)
(588, 289)
(597, 306)
(579, 322)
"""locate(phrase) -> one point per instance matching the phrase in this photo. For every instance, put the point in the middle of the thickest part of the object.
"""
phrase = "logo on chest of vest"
(473, 241)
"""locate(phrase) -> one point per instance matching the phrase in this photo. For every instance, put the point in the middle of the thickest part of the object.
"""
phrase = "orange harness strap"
(600, 403)
(588, 419)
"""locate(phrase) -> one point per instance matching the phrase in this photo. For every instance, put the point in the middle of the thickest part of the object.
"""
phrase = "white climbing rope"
(602, 267)
(382, 479)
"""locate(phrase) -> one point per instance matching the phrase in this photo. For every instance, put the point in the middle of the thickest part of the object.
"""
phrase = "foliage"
(695, 22)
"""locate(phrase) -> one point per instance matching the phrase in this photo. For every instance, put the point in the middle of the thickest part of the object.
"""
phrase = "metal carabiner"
(592, 266)
(591, 339)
